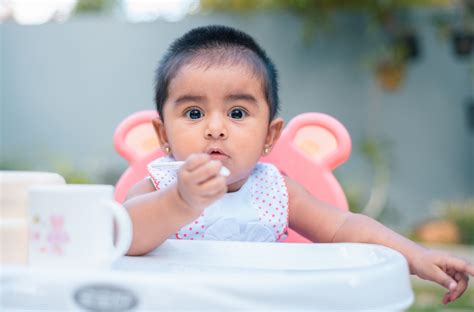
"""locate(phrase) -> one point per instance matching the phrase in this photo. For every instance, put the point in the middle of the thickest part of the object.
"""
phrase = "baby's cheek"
(238, 174)
(182, 151)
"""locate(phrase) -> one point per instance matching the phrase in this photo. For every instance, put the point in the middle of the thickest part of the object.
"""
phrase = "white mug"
(73, 225)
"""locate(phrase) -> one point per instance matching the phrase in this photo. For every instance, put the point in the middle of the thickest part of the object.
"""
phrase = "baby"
(217, 99)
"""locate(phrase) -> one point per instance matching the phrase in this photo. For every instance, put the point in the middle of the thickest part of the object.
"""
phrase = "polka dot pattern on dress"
(269, 197)
(164, 178)
(161, 177)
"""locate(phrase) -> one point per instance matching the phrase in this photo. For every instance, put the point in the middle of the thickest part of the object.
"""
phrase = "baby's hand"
(446, 270)
(199, 181)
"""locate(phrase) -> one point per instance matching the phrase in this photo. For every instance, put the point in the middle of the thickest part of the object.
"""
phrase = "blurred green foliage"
(14, 164)
(64, 168)
(309, 7)
(428, 299)
(94, 6)
(354, 196)
(317, 13)
(460, 213)
(377, 154)
(71, 174)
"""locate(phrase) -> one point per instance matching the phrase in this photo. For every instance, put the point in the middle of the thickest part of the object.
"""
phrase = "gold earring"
(167, 149)
(266, 149)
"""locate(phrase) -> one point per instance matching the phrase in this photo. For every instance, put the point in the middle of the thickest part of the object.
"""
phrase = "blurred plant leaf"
(15, 164)
(94, 6)
(461, 212)
(71, 174)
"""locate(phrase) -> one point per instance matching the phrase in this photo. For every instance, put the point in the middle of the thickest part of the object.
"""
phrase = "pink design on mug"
(35, 236)
(57, 237)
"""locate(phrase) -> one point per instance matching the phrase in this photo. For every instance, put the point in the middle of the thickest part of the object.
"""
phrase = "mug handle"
(125, 231)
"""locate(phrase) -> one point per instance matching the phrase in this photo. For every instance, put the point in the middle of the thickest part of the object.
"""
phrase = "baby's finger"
(460, 265)
(440, 277)
(462, 279)
(446, 298)
(451, 272)
(447, 295)
(194, 161)
(206, 172)
(469, 268)
(214, 187)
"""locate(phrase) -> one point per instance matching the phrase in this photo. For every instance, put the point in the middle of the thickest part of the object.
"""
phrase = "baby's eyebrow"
(241, 97)
(189, 98)
(229, 98)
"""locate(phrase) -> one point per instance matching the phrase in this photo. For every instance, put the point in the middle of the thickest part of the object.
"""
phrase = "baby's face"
(220, 110)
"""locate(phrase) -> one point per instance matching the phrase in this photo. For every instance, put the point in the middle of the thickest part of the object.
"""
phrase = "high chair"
(228, 275)
(311, 146)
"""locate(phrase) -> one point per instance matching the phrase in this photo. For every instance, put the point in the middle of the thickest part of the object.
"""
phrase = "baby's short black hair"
(216, 44)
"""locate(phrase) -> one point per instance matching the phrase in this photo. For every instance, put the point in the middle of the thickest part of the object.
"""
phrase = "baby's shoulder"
(296, 191)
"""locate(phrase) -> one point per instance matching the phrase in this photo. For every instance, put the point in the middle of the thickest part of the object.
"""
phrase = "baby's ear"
(135, 137)
(274, 131)
(320, 137)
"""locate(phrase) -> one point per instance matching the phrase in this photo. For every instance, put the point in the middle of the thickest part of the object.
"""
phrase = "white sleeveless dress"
(257, 212)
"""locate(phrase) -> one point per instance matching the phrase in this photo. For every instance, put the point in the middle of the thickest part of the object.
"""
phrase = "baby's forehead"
(246, 62)
(194, 73)
(245, 69)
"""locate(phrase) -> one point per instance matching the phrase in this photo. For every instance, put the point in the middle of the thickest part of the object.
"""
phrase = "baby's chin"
(234, 183)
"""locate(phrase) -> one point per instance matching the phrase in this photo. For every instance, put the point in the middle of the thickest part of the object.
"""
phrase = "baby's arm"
(157, 215)
(321, 222)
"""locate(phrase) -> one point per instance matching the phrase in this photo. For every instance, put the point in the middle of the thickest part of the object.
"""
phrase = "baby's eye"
(194, 113)
(237, 113)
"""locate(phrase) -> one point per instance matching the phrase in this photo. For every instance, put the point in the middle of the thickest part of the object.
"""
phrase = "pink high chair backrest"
(311, 146)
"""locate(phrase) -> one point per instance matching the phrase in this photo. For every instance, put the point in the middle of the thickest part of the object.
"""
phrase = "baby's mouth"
(217, 154)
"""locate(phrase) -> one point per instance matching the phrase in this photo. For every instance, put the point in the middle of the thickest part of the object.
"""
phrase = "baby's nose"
(216, 128)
